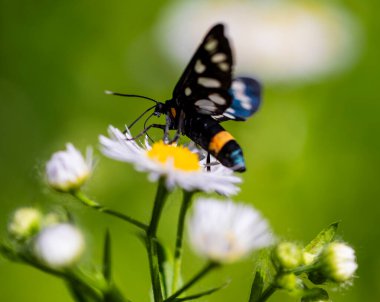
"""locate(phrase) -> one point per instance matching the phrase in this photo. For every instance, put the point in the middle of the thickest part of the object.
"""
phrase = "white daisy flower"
(227, 231)
(339, 262)
(68, 170)
(177, 164)
(277, 41)
(59, 245)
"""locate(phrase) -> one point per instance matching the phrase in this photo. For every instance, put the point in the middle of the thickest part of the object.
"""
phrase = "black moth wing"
(203, 87)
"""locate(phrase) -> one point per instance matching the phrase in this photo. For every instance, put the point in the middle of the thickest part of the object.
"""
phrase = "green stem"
(96, 206)
(210, 266)
(114, 295)
(179, 239)
(89, 286)
(159, 202)
(273, 287)
(95, 288)
(151, 232)
(154, 269)
(304, 269)
(268, 292)
(202, 294)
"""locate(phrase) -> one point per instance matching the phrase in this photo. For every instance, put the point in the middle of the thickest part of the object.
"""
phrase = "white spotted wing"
(204, 86)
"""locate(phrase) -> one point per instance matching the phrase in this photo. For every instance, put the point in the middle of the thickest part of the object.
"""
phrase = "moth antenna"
(147, 119)
(130, 95)
(140, 116)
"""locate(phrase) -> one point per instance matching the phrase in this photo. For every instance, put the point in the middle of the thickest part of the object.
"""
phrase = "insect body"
(206, 95)
(211, 136)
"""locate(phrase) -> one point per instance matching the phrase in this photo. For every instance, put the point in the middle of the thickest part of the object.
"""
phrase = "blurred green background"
(312, 150)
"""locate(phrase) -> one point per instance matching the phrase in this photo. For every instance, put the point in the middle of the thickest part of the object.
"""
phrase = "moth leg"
(208, 160)
(166, 130)
(179, 129)
(158, 126)
(209, 163)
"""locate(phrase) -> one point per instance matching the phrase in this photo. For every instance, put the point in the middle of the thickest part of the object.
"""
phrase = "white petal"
(227, 231)
(59, 245)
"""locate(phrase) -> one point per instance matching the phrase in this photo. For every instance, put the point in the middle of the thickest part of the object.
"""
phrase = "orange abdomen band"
(219, 140)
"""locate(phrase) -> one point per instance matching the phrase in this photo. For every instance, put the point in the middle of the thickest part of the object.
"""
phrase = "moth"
(206, 95)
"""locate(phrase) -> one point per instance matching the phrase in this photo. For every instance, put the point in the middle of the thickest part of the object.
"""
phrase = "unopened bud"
(25, 223)
(289, 255)
(289, 282)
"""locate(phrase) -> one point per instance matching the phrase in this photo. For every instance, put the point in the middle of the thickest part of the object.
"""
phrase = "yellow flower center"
(181, 157)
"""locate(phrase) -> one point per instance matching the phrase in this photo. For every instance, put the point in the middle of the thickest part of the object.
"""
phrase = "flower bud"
(308, 258)
(25, 223)
(290, 282)
(68, 170)
(59, 245)
(339, 262)
(288, 255)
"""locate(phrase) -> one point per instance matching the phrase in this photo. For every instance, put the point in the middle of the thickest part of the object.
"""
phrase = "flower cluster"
(221, 231)
(49, 239)
(323, 260)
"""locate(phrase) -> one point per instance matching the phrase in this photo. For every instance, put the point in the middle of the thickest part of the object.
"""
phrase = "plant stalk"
(179, 239)
(96, 206)
(151, 243)
(209, 266)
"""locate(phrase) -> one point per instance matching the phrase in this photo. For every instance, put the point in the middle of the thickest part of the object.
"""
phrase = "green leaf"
(81, 292)
(317, 277)
(315, 295)
(165, 263)
(257, 287)
(114, 295)
(107, 257)
(264, 281)
(205, 293)
(7, 252)
(315, 246)
(77, 293)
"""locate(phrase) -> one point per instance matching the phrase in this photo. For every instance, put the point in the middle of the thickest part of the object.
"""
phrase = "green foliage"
(312, 150)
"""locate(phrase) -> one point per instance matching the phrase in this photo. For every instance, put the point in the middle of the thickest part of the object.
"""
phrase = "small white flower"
(25, 223)
(68, 170)
(59, 245)
(227, 231)
(177, 164)
(339, 262)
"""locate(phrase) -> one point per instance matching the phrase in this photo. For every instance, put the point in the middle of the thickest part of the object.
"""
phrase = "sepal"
(315, 247)
(315, 295)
